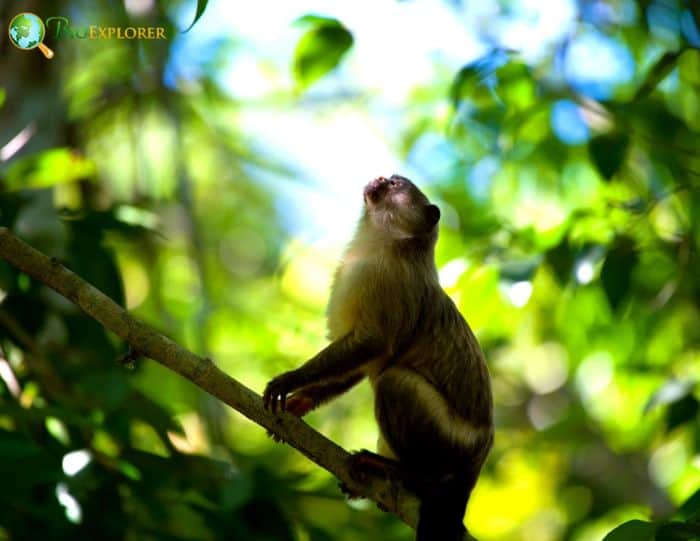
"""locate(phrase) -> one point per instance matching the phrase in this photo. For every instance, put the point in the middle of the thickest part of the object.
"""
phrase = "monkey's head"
(395, 206)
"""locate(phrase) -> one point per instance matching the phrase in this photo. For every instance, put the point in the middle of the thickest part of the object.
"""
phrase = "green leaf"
(634, 530)
(129, 470)
(320, 49)
(48, 168)
(58, 430)
(561, 260)
(13, 446)
(658, 72)
(616, 273)
(314, 20)
(517, 269)
(142, 407)
(670, 392)
(479, 80)
(2, 96)
(201, 6)
(608, 152)
(690, 510)
(467, 78)
(474, 82)
(516, 86)
(678, 531)
(683, 411)
(108, 389)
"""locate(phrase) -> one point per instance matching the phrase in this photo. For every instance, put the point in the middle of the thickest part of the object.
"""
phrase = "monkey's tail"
(442, 509)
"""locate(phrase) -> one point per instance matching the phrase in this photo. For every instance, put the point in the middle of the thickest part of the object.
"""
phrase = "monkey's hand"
(300, 404)
(275, 395)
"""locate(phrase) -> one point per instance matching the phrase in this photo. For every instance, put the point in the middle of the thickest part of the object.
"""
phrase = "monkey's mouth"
(374, 190)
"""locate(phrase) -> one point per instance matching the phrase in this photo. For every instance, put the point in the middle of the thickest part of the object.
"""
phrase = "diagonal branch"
(203, 373)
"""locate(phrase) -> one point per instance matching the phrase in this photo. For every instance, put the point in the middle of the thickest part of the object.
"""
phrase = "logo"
(61, 28)
(27, 32)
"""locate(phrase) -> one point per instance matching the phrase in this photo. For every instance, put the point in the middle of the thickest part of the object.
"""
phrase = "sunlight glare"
(584, 271)
(519, 293)
(75, 461)
(74, 512)
(595, 373)
(451, 272)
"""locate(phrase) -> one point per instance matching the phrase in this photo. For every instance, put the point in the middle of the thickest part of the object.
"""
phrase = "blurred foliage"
(570, 237)
(320, 49)
(201, 6)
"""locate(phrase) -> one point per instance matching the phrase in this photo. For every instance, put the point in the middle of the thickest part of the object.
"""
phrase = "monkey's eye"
(393, 183)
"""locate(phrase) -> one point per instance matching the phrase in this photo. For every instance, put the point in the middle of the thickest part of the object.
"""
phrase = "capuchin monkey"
(389, 320)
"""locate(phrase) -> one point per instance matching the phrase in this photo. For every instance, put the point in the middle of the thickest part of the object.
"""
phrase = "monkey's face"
(396, 206)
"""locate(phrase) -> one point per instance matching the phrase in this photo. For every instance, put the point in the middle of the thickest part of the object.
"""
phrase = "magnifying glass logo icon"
(27, 31)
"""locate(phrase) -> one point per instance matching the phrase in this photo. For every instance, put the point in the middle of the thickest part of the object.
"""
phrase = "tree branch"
(203, 373)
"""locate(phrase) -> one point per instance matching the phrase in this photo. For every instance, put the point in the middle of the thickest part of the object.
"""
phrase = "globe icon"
(27, 32)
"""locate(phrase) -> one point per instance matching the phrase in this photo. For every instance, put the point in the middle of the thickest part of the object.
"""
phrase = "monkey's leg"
(418, 425)
(438, 448)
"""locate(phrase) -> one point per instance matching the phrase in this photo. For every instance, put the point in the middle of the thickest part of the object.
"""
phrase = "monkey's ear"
(432, 214)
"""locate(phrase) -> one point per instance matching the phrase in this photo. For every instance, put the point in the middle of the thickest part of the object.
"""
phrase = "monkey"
(390, 320)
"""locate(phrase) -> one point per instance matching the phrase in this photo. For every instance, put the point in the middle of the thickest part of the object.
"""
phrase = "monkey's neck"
(416, 251)
(420, 246)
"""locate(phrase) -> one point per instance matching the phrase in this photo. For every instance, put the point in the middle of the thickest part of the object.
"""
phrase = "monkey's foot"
(275, 437)
(355, 495)
(365, 463)
(350, 493)
(128, 358)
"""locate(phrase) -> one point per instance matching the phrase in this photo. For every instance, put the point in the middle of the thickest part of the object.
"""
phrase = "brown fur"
(390, 320)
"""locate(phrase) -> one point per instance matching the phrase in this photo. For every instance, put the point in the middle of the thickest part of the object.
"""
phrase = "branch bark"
(204, 373)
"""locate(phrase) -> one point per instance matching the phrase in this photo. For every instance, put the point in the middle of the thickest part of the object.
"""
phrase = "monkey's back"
(444, 350)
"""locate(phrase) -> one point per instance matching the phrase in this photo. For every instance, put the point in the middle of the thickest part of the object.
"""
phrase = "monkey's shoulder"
(350, 284)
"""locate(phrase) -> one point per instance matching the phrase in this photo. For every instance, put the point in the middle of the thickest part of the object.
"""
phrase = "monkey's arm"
(340, 358)
(312, 396)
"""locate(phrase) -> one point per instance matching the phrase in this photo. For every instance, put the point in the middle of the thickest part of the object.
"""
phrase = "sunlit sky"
(337, 145)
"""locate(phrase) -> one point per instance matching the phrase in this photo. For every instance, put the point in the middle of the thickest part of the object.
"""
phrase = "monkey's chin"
(372, 203)
(373, 190)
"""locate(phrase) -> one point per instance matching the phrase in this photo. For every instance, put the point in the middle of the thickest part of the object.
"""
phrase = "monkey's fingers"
(273, 395)
(277, 389)
(267, 397)
(274, 402)
(270, 399)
